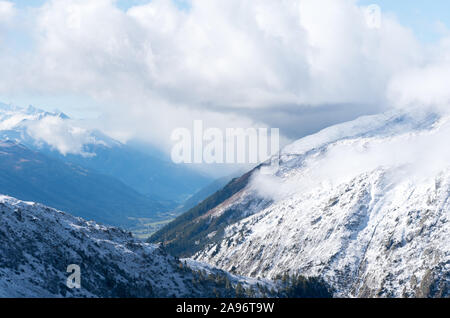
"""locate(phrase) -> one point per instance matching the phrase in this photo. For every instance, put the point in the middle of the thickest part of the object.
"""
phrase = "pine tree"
(239, 290)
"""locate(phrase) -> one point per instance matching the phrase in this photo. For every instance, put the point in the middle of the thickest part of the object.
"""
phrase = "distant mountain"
(158, 179)
(38, 243)
(55, 135)
(32, 176)
(203, 193)
(363, 205)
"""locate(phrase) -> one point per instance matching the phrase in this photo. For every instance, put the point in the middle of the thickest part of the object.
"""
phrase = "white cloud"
(425, 84)
(61, 135)
(7, 11)
(231, 63)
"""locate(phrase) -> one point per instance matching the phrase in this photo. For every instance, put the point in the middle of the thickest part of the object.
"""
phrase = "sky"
(140, 69)
(423, 17)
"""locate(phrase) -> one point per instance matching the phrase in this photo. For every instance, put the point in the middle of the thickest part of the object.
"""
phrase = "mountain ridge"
(39, 243)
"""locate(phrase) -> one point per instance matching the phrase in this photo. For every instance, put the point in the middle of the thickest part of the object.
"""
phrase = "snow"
(37, 243)
(364, 205)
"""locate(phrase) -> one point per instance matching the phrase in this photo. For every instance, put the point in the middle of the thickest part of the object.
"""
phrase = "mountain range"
(47, 157)
(359, 209)
(39, 245)
(364, 205)
(57, 135)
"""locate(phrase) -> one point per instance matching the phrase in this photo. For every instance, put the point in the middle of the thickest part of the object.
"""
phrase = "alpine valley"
(92, 176)
(47, 157)
(360, 209)
(223, 149)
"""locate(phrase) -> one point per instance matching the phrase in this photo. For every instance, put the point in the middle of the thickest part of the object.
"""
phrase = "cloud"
(424, 84)
(407, 157)
(236, 63)
(61, 135)
(7, 11)
(7, 14)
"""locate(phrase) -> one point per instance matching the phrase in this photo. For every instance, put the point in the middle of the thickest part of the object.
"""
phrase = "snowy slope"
(37, 243)
(365, 205)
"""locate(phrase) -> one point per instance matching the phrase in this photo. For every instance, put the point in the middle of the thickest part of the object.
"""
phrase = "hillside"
(363, 205)
(38, 243)
(191, 231)
(32, 176)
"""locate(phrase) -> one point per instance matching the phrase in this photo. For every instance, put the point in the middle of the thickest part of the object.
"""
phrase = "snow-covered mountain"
(38, 243)
(365, 205)
(56, 135)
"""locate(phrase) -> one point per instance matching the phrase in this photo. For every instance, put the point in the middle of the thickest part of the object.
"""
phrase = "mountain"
(363, 205)
(193, 230)
(39, 243)
(32, 176)
(158, 179)
(57, 136)
(203, 194)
